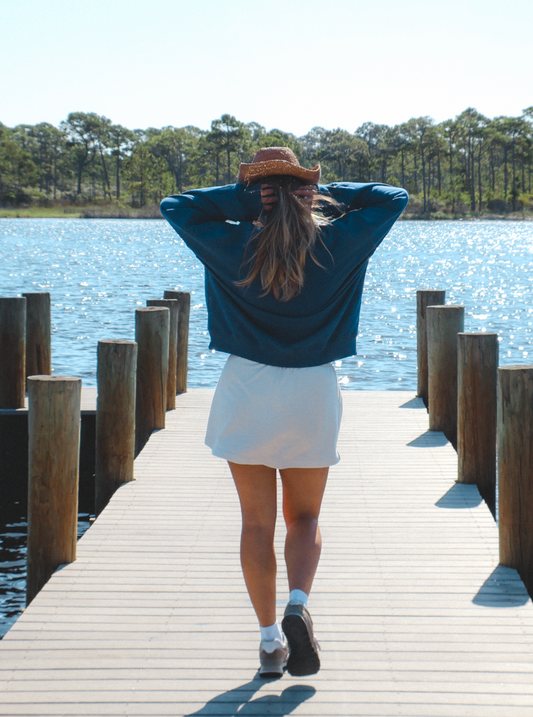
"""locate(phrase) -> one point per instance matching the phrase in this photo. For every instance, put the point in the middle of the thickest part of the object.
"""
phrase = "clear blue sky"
(291, 64)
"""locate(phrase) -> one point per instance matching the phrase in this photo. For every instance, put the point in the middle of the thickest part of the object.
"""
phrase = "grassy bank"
(100, 211)
(151, 211)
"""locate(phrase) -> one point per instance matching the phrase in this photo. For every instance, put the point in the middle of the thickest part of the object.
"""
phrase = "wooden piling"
(425, 298)
(115, 417)
(184, 310)
(172, 306)
(53, 470)
(38, 333)
(152, 336)
(477, 370)
(515, 469)
(443, 323)
(12, 352)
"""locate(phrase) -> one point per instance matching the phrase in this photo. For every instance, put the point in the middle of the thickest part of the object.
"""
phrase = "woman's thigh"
(303, 490)
(256, 486)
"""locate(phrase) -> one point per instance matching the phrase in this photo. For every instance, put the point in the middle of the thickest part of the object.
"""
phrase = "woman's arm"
(214, 204)
(202, 218)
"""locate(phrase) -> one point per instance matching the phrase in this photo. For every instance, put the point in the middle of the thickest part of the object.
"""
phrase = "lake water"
(99, 271)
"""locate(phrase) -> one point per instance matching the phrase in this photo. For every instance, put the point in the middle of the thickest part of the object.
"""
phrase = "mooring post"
(115, 417)
(38, 333)
(477, 371)
(184, 311)
(53, 470)
(443, 323)
(12, 352)
(172, 306)
(425, 298)
(515, 469)
(152, 336)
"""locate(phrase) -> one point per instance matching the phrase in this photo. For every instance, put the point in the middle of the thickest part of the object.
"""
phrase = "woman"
(283, 292)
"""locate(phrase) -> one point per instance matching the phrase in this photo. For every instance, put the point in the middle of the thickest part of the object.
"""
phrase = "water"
(13, 530)
(99, 271)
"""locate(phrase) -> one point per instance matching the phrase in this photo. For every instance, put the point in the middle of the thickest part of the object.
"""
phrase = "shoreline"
(86, 213)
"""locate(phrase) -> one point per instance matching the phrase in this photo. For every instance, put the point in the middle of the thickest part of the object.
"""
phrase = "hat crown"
(267, 154)
(273, 161)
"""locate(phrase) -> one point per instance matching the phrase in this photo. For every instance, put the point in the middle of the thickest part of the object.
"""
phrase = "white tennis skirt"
(277, 417)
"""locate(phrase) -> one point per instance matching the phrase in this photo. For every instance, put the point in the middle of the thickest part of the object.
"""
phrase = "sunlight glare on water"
(99, 271)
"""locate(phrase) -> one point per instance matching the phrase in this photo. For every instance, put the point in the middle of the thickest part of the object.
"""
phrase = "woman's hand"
(268, 197)
(307, 194)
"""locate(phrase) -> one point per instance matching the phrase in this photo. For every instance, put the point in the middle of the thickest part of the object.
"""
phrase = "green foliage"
(464, 166)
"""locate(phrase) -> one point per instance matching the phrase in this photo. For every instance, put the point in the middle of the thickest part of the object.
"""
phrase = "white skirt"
(277, 417)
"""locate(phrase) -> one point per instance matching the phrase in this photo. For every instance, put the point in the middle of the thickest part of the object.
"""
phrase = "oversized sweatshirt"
(319, 324)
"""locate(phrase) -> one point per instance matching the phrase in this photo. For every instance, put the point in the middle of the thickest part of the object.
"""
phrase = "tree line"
(470, 164)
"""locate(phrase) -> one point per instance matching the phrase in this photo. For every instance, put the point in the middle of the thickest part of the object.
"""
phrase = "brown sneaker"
(273, 657)
(297, 626)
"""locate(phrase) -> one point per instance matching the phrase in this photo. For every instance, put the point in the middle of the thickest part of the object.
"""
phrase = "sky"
(286, 64)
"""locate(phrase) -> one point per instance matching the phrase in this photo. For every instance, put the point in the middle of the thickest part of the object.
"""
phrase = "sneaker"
(273, 657)
(303, 645)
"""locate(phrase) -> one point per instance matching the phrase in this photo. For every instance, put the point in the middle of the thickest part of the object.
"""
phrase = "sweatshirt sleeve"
(370, 211)
(201, 216)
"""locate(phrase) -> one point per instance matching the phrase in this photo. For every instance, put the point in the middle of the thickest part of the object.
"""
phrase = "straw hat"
(276, 160)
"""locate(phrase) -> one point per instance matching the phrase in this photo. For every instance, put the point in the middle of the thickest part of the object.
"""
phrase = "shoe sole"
(303, 656)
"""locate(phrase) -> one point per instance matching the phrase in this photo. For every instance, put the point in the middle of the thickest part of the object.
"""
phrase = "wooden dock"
(413, 613)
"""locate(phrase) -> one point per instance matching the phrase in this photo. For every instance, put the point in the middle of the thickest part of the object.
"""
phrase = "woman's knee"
(257, 533)
(303, 520)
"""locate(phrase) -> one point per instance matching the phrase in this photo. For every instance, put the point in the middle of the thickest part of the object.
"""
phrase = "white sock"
(298, 596)
(271, 632)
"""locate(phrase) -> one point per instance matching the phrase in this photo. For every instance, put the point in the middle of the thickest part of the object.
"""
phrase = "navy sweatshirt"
(317, 325)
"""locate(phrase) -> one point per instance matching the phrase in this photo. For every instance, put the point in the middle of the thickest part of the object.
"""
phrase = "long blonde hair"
(286, 235)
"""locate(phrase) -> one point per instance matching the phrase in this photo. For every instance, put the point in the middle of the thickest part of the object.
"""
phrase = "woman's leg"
(256, 486)
(303, 489)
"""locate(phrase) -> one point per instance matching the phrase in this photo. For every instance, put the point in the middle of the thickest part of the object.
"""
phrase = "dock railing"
(487, 414)
(137, 382)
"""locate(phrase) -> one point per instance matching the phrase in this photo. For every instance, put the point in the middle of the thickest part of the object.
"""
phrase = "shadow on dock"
(460, 496)
(239, 700)
(503, 588)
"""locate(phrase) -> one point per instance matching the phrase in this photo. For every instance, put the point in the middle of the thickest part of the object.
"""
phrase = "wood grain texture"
(53, 467)
(443, 323)
(515, 468)
(152, 326)
(414, 616)
(424, 298)
(115, 418)
(38, 333)
(477, 367)
(173, 306)
(184, 311)
(12, 352)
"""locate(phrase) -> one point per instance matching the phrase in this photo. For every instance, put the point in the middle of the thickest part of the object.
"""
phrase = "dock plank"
(413, 613)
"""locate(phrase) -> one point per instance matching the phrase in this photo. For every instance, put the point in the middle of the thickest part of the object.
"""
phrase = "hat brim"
(257, 170)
